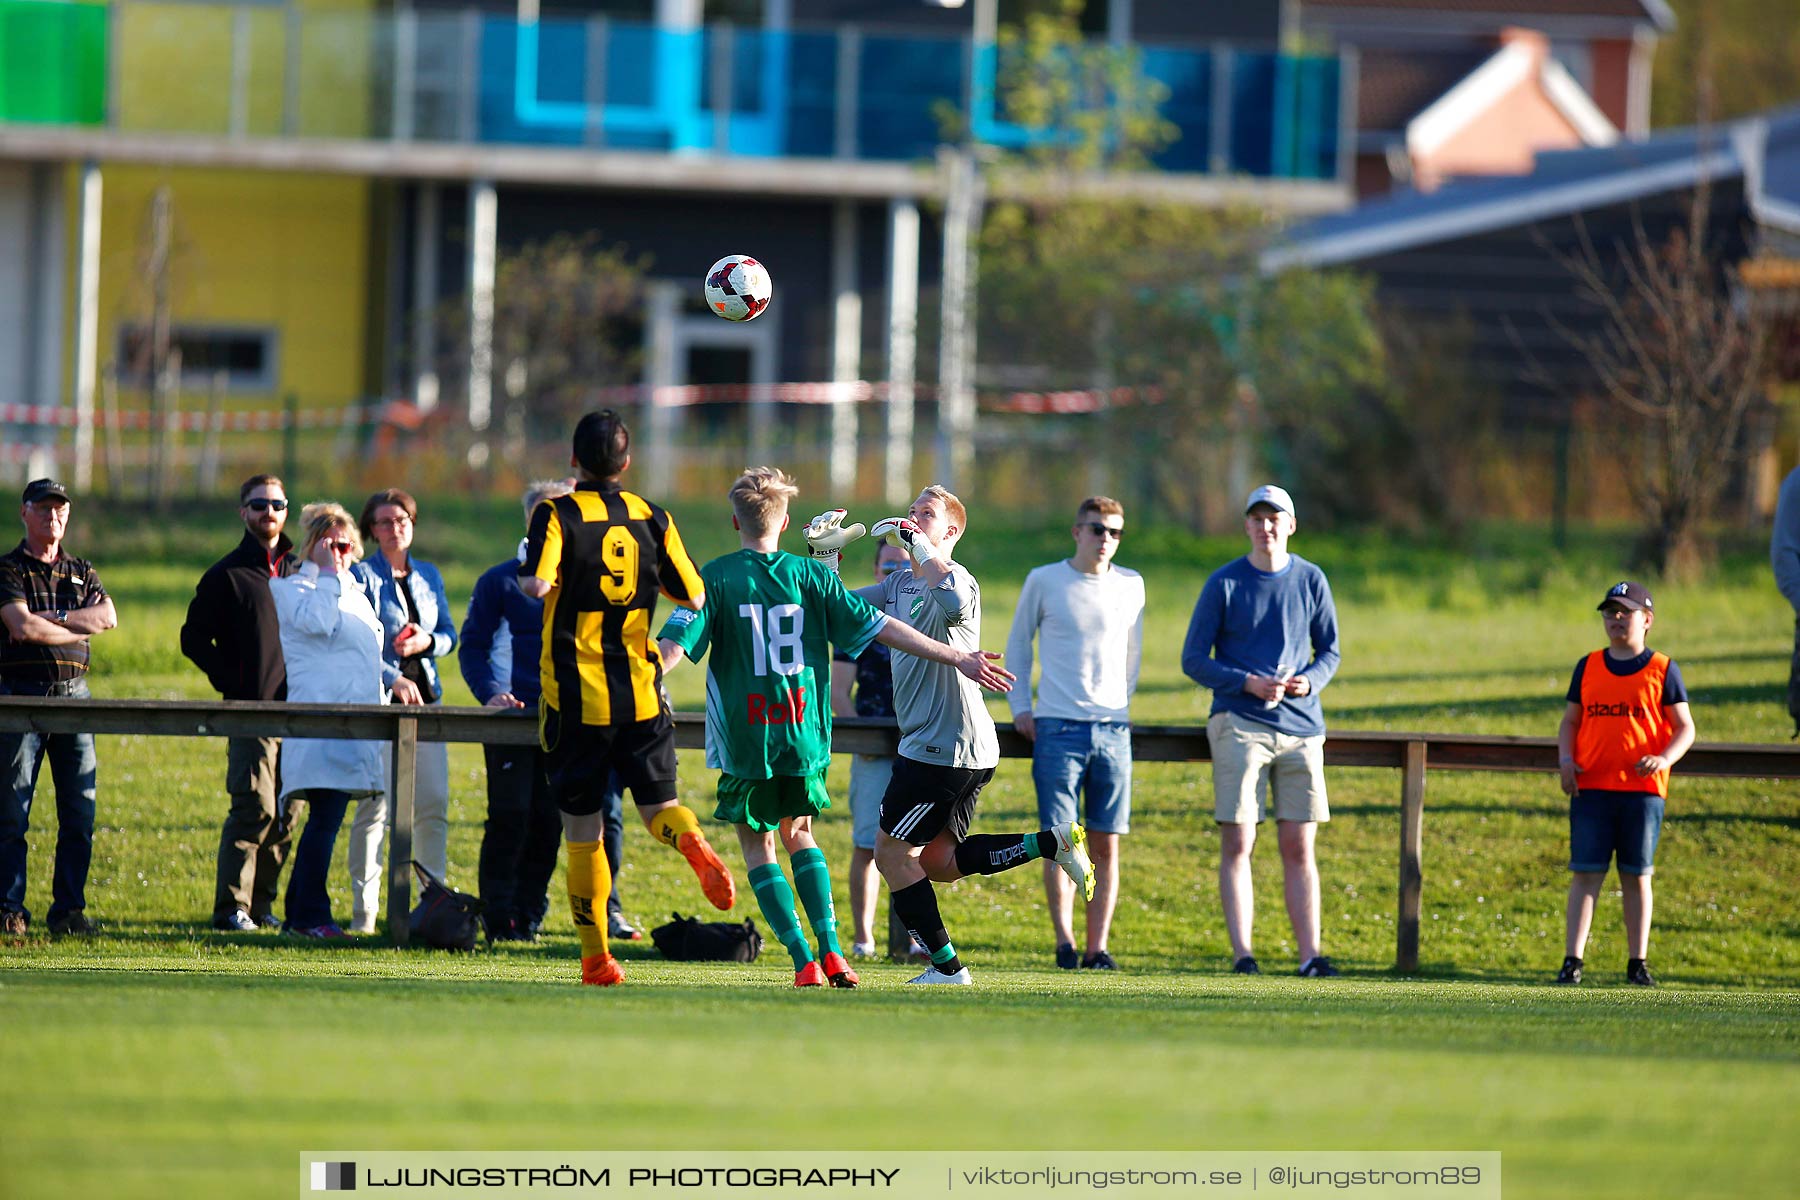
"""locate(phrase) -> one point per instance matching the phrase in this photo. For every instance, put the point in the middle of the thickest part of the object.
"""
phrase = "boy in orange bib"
(1626, 724)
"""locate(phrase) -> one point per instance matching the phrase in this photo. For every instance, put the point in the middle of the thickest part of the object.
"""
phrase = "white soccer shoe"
(933, 975)
(1070, 837)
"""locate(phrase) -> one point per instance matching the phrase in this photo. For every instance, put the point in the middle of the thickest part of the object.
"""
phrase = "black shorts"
(578, 761)
(924, 799)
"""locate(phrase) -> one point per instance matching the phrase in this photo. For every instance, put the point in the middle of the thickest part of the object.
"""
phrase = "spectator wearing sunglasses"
(1087, 616)
(233, 636)
(331, 640)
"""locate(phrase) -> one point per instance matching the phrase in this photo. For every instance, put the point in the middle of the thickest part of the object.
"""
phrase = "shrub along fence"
(403, 728)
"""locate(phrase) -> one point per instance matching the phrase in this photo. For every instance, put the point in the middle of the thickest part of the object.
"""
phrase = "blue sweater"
(502, 637)
(376, 578)
(1249, 622)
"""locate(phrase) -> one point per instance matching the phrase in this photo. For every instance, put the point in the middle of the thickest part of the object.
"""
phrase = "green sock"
(812, 879)
(776, 899)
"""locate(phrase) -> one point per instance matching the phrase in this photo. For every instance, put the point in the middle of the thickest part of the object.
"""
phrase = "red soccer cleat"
(839, 972)
(809, 976)
(715, 876)
(602, 970)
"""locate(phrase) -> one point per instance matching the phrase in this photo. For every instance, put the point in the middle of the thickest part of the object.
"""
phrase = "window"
(246, 357)
(1577, 59)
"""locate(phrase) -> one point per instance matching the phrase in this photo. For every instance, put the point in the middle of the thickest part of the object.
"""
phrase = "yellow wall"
(251, 249)
(174, 66)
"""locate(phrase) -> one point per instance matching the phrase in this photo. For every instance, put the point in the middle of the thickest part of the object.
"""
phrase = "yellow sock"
(668, 825)
(589, 877)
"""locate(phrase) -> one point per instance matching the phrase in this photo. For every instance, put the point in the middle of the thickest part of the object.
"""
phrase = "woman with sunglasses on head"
(331, 641)
(417, 629)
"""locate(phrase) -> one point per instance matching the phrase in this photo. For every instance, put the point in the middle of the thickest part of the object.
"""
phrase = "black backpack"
(444, 919)
(689, 939)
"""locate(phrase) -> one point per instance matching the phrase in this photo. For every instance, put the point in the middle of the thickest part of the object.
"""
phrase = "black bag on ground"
(689, 939)
(444, 919)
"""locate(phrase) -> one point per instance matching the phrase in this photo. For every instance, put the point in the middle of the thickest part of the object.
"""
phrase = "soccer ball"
(738, 287)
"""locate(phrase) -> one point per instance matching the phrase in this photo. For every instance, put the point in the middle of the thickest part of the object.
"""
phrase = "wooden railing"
(1412, 754)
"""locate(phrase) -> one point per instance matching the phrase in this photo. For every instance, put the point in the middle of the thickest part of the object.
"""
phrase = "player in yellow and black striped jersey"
(608, 552)
(598, 558)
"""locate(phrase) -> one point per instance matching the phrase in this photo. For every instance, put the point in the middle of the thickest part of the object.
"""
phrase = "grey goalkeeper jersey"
(940, 711)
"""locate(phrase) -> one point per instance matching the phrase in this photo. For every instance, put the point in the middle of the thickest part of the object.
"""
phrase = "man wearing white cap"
(1264, 638)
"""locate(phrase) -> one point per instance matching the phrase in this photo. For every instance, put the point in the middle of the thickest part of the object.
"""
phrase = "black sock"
(1633, 963)
(916, 906)
(992, 853)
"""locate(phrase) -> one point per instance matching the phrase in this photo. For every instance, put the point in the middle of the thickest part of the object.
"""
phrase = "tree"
(1679, 351)
(565, 323)
(1161, 300)
(1090, 104)
(1725, 59)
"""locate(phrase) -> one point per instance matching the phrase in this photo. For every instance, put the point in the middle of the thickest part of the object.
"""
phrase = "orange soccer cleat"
(715, 876)
(809, 976)
(602, 970)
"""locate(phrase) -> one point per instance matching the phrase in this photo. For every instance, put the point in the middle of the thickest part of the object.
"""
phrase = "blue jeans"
(308, 901)
(1072, 758)
(72, 769)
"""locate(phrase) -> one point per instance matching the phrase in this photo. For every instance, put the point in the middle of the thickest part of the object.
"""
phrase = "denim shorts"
(1087, 758)
(869, 776)
(1604, 823)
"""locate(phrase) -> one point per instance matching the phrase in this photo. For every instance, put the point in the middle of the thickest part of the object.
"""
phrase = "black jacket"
(232, 632)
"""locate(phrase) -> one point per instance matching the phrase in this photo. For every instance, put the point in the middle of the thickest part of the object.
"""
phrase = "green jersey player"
(767, 632)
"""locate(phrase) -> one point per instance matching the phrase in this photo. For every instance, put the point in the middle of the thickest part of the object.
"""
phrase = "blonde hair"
(542, 490)
(320, 518)
(760, 499)
(953, 508)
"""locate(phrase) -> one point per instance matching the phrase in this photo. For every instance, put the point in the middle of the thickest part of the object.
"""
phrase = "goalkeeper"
(948, 750)
(769, 624)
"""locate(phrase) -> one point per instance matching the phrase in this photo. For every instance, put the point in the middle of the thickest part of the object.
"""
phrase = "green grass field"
(165, 1059)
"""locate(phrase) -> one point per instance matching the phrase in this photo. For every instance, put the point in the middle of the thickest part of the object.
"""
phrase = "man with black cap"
(597, 558)
(233, 635)
(1264, 638)
(51, 604)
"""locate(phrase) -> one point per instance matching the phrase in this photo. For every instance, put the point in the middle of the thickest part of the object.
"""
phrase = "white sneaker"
(1070, 837)
(936, 976)
(916, 948)
(862, 950)
(364, 926)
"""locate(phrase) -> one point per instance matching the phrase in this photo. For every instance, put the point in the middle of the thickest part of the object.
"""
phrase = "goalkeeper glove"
(911, 538)
(826, 535)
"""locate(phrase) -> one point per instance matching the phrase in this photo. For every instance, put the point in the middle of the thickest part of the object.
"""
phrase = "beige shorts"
(1251, 759)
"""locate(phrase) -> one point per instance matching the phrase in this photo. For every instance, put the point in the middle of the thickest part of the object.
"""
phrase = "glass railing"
(466, 76)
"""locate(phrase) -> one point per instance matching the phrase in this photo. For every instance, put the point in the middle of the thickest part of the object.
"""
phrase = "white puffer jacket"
(332, 644)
